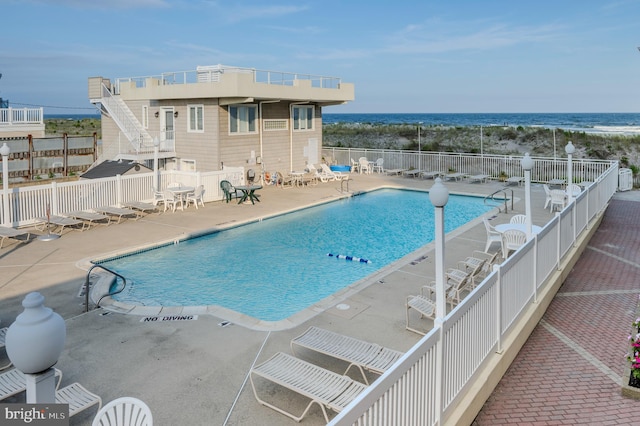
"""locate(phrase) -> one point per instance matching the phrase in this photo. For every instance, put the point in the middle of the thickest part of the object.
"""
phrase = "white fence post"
(119, 189)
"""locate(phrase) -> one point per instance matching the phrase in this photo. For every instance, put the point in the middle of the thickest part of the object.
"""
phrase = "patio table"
(248, 192)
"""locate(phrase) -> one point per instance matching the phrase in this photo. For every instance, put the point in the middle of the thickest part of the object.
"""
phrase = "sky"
(404, 56)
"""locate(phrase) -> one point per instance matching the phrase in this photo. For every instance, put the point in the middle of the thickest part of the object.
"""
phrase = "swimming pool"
(271, 269)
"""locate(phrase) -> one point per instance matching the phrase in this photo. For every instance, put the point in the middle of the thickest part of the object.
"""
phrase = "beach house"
(216, 116)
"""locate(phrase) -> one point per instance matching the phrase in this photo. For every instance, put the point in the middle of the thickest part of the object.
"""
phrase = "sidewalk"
(570, 369)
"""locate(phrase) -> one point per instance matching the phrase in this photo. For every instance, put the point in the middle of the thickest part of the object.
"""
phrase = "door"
(167, 132)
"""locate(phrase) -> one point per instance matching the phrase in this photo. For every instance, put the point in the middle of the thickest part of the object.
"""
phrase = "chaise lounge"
(12, 233)
(323, 387)
(358, 353)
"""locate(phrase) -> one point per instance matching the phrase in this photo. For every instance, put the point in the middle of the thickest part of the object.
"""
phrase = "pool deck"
(196, 372)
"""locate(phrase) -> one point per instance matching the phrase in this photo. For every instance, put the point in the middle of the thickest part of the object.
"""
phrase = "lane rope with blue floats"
(350, 258)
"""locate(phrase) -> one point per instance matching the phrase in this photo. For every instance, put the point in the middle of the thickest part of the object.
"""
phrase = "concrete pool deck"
(195, 372)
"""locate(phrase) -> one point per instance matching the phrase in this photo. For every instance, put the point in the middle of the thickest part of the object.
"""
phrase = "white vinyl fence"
(28, 204)
(425, 385)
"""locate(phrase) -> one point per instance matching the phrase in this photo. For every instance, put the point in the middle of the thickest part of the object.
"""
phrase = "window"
(303, 117)
(242, 118)
(196, 118)
(145, 116)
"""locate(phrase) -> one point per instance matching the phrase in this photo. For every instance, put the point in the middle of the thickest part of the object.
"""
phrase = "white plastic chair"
(558, 198)
(196, 197)
(493, 236)
(547, 192)
(378, 165)
(519, 218)
(512, 240)
(365, 165)
(169, 200)
(125, 411)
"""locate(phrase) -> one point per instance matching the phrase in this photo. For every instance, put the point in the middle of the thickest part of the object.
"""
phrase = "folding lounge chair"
(12, 233)
(78, 398)
(3, 334)
(431, 174)
(412, 173)
(455, 176)
(424, 305)
(125, 411)
(117, 211)
(358, 353)
(326, 170)
(323, 387)
(89, 218)
(478, 178)
(14, 382)
(59, 222)
(472, 262)
(141, 208)
(515, 179)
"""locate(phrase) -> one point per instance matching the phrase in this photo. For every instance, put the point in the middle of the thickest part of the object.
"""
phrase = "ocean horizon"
(605, 123)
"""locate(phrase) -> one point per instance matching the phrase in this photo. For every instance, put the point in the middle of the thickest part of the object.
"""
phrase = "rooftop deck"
(195, 372)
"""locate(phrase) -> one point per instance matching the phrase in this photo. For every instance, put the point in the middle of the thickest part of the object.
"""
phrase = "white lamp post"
(419, 146)
(569, 149)
(5, 151)
(34, 343)
(156, 147)
(527, 165)
(439, 195)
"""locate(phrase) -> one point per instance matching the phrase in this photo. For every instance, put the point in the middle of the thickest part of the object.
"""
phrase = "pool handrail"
(86, 286)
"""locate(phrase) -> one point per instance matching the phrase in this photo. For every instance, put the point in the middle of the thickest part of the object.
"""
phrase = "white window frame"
(303, 117)
(243, 125)
(199, 124)
(145, 116)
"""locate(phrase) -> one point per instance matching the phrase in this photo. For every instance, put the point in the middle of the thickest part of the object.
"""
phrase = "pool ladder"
(111, 293)
(503, 191)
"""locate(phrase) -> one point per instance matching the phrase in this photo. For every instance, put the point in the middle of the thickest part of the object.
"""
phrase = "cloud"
(424, 39)
(106, 4)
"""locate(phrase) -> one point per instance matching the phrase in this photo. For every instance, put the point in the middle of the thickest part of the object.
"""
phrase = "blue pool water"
(274, 268)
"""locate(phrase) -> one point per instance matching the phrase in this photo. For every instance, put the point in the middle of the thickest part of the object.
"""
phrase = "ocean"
(609, 123)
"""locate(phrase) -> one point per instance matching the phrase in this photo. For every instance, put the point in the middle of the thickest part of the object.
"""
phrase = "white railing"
(9, 116)
(212, 75)
(494, 165)
(137, 136)
(420, 390)
(28, 204)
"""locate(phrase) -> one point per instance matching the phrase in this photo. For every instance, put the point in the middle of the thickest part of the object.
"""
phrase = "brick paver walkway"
(570, 369)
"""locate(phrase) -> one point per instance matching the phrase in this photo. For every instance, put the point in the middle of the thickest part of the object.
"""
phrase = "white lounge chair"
(3, 334)
(13, 233)
(455, 176)
(117, 211)
(59, 222)
(431, 174)
(478, 178)
(140, 208)
(125, 411)
(412, 173)
(323, 387)
(423, 305)
(326, 170)
(14, 382)
(77, 397)
(471, 262)
(358, 353)
(89, 218)
(515, 179)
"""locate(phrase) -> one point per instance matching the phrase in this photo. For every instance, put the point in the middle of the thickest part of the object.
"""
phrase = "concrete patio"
(196, 372)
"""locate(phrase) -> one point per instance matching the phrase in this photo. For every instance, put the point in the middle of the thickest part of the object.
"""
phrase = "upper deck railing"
(211, 74)
(10, 116)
